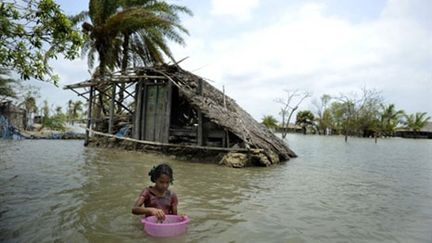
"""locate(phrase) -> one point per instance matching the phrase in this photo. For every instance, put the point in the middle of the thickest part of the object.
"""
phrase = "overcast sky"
(256, 49)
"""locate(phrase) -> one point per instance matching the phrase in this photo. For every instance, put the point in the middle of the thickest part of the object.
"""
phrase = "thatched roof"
(230, 116)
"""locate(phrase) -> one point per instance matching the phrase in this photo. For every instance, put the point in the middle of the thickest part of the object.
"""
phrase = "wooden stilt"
(111, 111)
(200, 118)
(167, 116)
(138, 111)
(89, 116)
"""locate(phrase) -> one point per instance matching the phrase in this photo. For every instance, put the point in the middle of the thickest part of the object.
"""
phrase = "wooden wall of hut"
(153, 110)
(163, 115)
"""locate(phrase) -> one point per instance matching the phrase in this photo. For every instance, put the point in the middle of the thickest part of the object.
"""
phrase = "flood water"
(53, 190)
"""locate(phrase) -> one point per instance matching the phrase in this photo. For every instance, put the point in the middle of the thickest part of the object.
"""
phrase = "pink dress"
(166, 202)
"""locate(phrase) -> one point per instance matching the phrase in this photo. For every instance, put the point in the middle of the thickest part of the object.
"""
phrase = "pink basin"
(172, 225)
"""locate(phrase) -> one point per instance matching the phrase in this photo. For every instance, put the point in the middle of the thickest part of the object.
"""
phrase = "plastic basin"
(172, 225)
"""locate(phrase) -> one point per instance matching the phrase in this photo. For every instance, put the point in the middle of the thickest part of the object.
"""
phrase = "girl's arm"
(174, 210)
(139, 209)
(174, 203)
(159, 213)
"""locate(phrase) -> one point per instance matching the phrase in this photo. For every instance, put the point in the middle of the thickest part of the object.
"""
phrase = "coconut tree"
(390, 118)
(77, 108)
(74, 110)
(304, 119)
(416, 121)
(118, 30)
(148, 45)
(144, 40)
(113, 24)
(269, 121)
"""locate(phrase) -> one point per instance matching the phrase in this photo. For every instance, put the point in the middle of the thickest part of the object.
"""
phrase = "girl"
(157, 200)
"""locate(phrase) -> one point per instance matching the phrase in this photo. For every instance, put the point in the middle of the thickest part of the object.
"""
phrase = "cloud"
(239, 9)
(303, 46)
(307, 49)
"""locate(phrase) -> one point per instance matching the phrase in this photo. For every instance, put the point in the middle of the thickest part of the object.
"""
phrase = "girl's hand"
(158, 213)
(183, 217)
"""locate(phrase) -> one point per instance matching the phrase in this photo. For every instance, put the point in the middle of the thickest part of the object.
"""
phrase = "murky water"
(334, 192)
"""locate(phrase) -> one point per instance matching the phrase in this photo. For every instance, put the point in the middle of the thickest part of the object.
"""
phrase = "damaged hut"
(176, 112)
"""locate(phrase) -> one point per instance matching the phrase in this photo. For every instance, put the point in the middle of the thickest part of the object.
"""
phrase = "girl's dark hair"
(157, 171)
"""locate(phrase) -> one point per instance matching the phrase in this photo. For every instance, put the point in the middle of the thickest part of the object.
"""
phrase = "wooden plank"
(157, 124)
(89, 116)
(81, 94)
(183, 132)
(143, 109)
(174, 145)
(161, 113)
(227, 138)
(167, 116)
(138, 109)
(200, 117)
(150, 112)
(113, 79)
(111, 111)
(118, 102)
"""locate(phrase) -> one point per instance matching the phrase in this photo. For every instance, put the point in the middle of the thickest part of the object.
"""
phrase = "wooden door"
(156, 112)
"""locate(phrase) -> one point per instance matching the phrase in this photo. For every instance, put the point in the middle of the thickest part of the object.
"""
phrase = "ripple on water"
(334, 192)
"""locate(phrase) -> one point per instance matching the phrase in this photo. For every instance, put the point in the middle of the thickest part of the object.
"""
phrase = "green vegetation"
(74, 111)
(269, 121)
(304, 119)
(118, 31)
(32, 33)
(140, 29)
(55, 122)
(416, 121)
(390, 118)
(290, 104)
(364, 115)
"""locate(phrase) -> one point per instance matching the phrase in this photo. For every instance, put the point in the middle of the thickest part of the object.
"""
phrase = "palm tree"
(29, 104)
(269, 121)
(147, 23)
(390, 118)
(148, 45)
(69, 111)
(145, 26)
(416, 121)
(304, 119)
(77, 108)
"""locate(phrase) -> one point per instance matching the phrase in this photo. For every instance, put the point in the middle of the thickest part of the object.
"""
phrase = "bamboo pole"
(200, 118)
(89, 116)
(138, 110)
(111, 111)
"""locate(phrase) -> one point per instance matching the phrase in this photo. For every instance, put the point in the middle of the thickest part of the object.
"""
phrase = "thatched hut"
(425, 132)
(180, 113)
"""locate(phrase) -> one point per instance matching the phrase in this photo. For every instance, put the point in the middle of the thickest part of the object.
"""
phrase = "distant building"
(425, 132)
